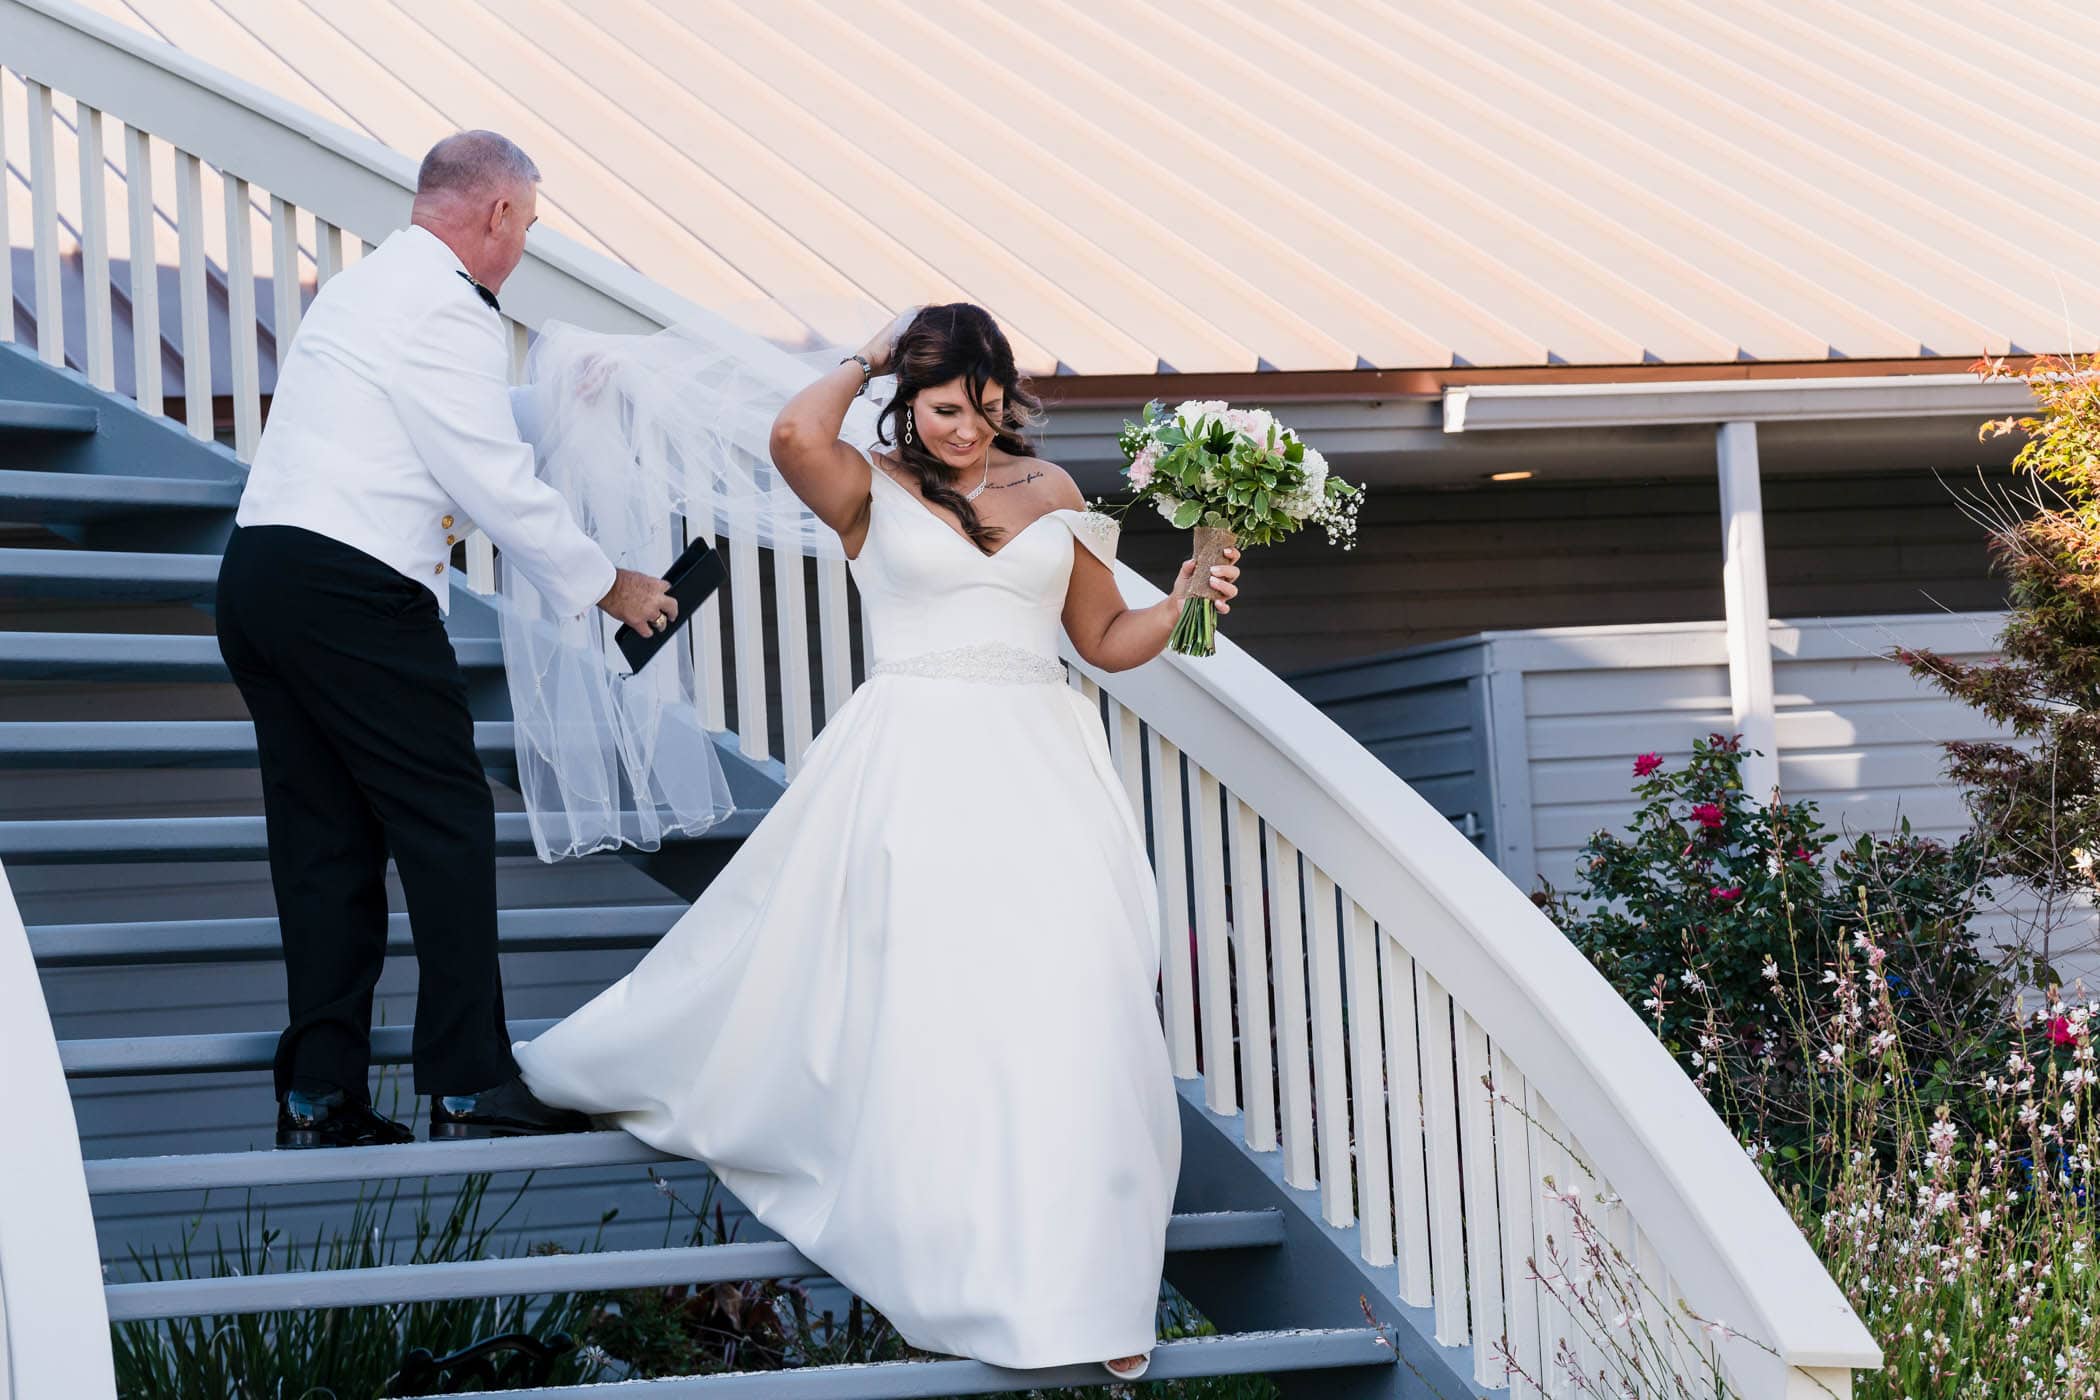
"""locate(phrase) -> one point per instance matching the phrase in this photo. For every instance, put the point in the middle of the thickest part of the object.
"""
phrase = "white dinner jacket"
(392, 432)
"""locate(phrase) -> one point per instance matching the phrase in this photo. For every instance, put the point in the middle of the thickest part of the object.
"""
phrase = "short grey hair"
(470, 161)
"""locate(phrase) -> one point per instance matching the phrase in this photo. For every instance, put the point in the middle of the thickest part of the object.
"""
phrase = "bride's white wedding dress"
(911, 1024)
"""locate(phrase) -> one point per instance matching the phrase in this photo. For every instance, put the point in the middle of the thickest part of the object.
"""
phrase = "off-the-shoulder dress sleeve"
(1094, 530)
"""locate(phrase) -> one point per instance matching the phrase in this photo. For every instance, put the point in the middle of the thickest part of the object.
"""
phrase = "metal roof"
(1218, 186)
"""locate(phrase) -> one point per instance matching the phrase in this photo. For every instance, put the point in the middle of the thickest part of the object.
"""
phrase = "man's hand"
(642, 601)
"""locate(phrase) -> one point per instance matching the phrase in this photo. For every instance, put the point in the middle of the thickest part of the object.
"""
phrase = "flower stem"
(1196, 631)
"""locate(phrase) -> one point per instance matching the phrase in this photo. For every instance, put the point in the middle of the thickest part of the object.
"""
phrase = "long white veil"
(652, 439)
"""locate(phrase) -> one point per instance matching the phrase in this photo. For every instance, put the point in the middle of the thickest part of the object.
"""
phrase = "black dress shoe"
(508, 1110)
(334, 1119)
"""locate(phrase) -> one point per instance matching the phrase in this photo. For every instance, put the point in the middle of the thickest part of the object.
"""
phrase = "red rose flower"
(2060, 1032)
(1647, 763)
(1727, 892)
(1707, 815)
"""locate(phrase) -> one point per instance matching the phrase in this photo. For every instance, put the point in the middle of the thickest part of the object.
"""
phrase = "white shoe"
(1144, 1363)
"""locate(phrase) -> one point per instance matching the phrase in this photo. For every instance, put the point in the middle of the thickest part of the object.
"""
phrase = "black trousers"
(367, 749)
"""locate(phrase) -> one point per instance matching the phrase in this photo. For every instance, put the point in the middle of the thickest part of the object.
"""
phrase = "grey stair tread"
(256, 940)
(79, 496)
(568, 1273)
(145, 840)
(1187, 1358)
(33, 415)
(108, 574)
(168, 743)
(216, 1171)
(230, 1050)
(131, 656)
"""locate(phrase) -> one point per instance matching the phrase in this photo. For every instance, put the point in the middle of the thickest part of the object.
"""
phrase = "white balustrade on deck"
(1344, 971)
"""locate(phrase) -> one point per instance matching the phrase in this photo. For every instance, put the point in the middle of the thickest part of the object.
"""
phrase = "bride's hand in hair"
(881, 348)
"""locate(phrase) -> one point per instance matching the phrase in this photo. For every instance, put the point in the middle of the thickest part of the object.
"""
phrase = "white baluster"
(94, 250)
(1517, 1191)
(241, 360)
(1447, 1250)
(1552, 1243)
(1476, 1127)
(1169, 862)
(747, 631)
(1329, 1056)
(1374, 1188)
(1127, 746)
(284, 275)
(43, 214)
(1213, 953)
(7, 241)
(1659, 1309)
(1293, 1016)
(791, 632)
(834, 634)
(706, 631)
(1251, 948)
(1586, 1188)
(328, 252)
(1396, 973)
(195, 307)
(145, 272)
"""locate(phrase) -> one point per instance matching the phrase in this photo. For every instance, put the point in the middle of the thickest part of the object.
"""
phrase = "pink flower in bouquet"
(1647, 763)
(1707, 815)
(1141, 466)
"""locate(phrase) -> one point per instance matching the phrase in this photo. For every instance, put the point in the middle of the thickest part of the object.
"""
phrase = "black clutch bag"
(697, 574)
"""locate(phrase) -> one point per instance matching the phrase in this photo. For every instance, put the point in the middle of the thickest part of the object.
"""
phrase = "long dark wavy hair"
(942, 343)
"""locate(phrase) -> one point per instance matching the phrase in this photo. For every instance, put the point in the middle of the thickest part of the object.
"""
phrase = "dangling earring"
(907, 425)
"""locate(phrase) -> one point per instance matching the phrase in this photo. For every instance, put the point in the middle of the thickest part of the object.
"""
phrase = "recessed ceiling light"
(1509, 476)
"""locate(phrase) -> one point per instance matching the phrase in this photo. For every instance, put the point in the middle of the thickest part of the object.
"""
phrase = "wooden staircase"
(57, 492)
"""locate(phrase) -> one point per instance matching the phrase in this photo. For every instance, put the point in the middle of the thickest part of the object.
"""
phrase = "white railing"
(1358, 969)
(54, 1331)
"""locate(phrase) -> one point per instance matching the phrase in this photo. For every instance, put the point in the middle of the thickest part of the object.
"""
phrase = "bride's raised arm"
(829, 474)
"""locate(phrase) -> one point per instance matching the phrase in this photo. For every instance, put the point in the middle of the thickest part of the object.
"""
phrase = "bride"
(911, 1024)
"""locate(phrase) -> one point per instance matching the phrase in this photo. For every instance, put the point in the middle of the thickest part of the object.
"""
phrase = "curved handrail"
(57, 1328)
(1725, 1236)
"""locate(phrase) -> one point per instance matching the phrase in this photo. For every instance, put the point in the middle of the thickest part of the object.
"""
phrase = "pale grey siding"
(1567, 710)
(1432, 565)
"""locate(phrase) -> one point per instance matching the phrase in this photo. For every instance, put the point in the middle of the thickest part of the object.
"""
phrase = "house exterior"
(1649, 334)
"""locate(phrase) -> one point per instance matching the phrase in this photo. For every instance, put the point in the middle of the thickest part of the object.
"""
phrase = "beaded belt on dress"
(980, 661)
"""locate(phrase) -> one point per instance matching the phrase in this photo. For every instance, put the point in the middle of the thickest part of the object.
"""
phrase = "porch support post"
(1749, 606)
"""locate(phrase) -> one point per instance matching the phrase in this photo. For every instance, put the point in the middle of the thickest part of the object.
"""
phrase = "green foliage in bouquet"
(1234, 469)
(1211, 467)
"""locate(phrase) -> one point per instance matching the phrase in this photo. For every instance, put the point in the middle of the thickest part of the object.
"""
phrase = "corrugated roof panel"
(1216, 185)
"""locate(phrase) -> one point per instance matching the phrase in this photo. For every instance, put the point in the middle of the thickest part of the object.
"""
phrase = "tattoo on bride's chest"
(1003, 485)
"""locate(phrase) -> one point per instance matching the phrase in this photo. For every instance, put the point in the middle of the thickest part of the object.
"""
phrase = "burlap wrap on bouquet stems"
(1196, 630)
(1211, 544)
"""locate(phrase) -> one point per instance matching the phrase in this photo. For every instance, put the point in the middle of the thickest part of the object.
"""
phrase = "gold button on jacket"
(446, 523)
(439, 569)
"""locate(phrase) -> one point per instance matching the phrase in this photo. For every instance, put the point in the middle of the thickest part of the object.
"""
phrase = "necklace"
(974, 492)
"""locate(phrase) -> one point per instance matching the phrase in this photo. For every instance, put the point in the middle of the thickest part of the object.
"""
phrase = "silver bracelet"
(867, 372)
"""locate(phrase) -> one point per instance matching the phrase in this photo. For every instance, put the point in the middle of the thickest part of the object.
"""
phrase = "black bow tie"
(483, 292)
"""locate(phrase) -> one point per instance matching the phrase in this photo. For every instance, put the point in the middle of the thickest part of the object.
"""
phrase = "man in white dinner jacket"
(391, 429)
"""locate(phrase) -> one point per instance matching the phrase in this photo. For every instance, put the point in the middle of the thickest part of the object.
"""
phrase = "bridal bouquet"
(1237, 477)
